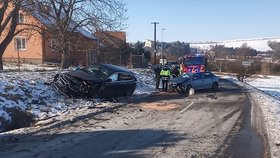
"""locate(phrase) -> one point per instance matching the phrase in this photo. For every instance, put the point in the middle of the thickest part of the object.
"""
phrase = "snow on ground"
(266, 91)
(268, 84)
(146, 82)
(28, 67)
(260, 44)
(269, 99)
(31, 91)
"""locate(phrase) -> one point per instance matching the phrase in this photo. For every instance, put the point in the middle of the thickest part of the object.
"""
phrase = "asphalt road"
(207, 124)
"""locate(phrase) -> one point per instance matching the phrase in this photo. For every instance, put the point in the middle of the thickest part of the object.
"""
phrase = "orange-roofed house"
(113, 47)
(30, 46)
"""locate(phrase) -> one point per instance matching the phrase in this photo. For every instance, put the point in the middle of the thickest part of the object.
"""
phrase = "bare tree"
(275, 46)
(9, 15)
(245, 52)
(217, 55)
(64, 18)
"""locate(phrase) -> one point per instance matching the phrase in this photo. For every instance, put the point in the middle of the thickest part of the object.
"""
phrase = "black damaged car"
(103, 80)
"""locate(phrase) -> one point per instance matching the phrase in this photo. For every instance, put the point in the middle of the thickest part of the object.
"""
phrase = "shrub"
(212, 67)
(270, 68)
(241, 70)
(266, 68)
(275, 69)
(19, 119)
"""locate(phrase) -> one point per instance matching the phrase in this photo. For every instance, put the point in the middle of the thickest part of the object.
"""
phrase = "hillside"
(260, 44)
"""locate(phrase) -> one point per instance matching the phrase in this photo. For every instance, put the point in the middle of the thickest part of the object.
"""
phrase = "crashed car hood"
(178, 79)
(84, 75)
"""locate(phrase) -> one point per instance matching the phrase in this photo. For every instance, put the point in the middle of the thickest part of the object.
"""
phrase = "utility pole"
(155, 41)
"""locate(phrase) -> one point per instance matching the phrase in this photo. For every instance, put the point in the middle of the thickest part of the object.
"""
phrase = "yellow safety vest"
(165, 73)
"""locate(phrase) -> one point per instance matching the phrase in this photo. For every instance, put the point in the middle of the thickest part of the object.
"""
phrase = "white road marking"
(183, 110)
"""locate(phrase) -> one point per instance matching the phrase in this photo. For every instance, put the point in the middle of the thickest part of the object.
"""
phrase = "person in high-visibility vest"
(181, 68)
(175, 71)
(165, 77)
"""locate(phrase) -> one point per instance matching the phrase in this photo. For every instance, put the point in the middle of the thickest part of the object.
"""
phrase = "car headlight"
(173, 84)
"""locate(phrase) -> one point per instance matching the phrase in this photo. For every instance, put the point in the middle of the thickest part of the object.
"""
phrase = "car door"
(111, 86)
(119, 84)
(126, 83)
(208, 79)
(197, 81)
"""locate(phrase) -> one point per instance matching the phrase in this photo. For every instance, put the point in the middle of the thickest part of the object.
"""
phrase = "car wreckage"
(197, 81)
(103, 80)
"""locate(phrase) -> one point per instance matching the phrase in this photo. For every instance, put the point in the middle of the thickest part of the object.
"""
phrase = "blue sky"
(202, 20)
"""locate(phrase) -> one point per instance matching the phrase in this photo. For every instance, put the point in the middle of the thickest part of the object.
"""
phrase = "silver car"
(197, 81)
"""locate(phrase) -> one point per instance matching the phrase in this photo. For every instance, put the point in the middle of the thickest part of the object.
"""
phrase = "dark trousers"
(164, 85)
(157, 82)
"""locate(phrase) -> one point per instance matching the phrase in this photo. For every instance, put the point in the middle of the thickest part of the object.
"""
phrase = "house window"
(20, 43)
(20, 18)
(54, 45)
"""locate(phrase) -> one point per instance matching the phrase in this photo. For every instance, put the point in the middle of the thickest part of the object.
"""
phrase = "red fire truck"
(193, 63)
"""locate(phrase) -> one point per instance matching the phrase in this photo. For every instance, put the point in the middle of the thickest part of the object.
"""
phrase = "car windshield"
(99, 71)
(189, 61)
(186, 75)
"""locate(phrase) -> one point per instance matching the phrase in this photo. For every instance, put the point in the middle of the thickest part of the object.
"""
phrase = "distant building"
(149, 43)
(113, 47)
(112, 35)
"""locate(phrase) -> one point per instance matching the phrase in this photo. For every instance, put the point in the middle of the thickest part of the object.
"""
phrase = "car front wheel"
(215, 86)
(180, 89)
(129, 92)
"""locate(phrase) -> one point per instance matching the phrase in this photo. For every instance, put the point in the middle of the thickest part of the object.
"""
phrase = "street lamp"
(162, 42)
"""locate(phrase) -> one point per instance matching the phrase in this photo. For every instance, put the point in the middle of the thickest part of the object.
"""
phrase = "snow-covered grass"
(31, 91)
(28, 67)
(268, 84)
